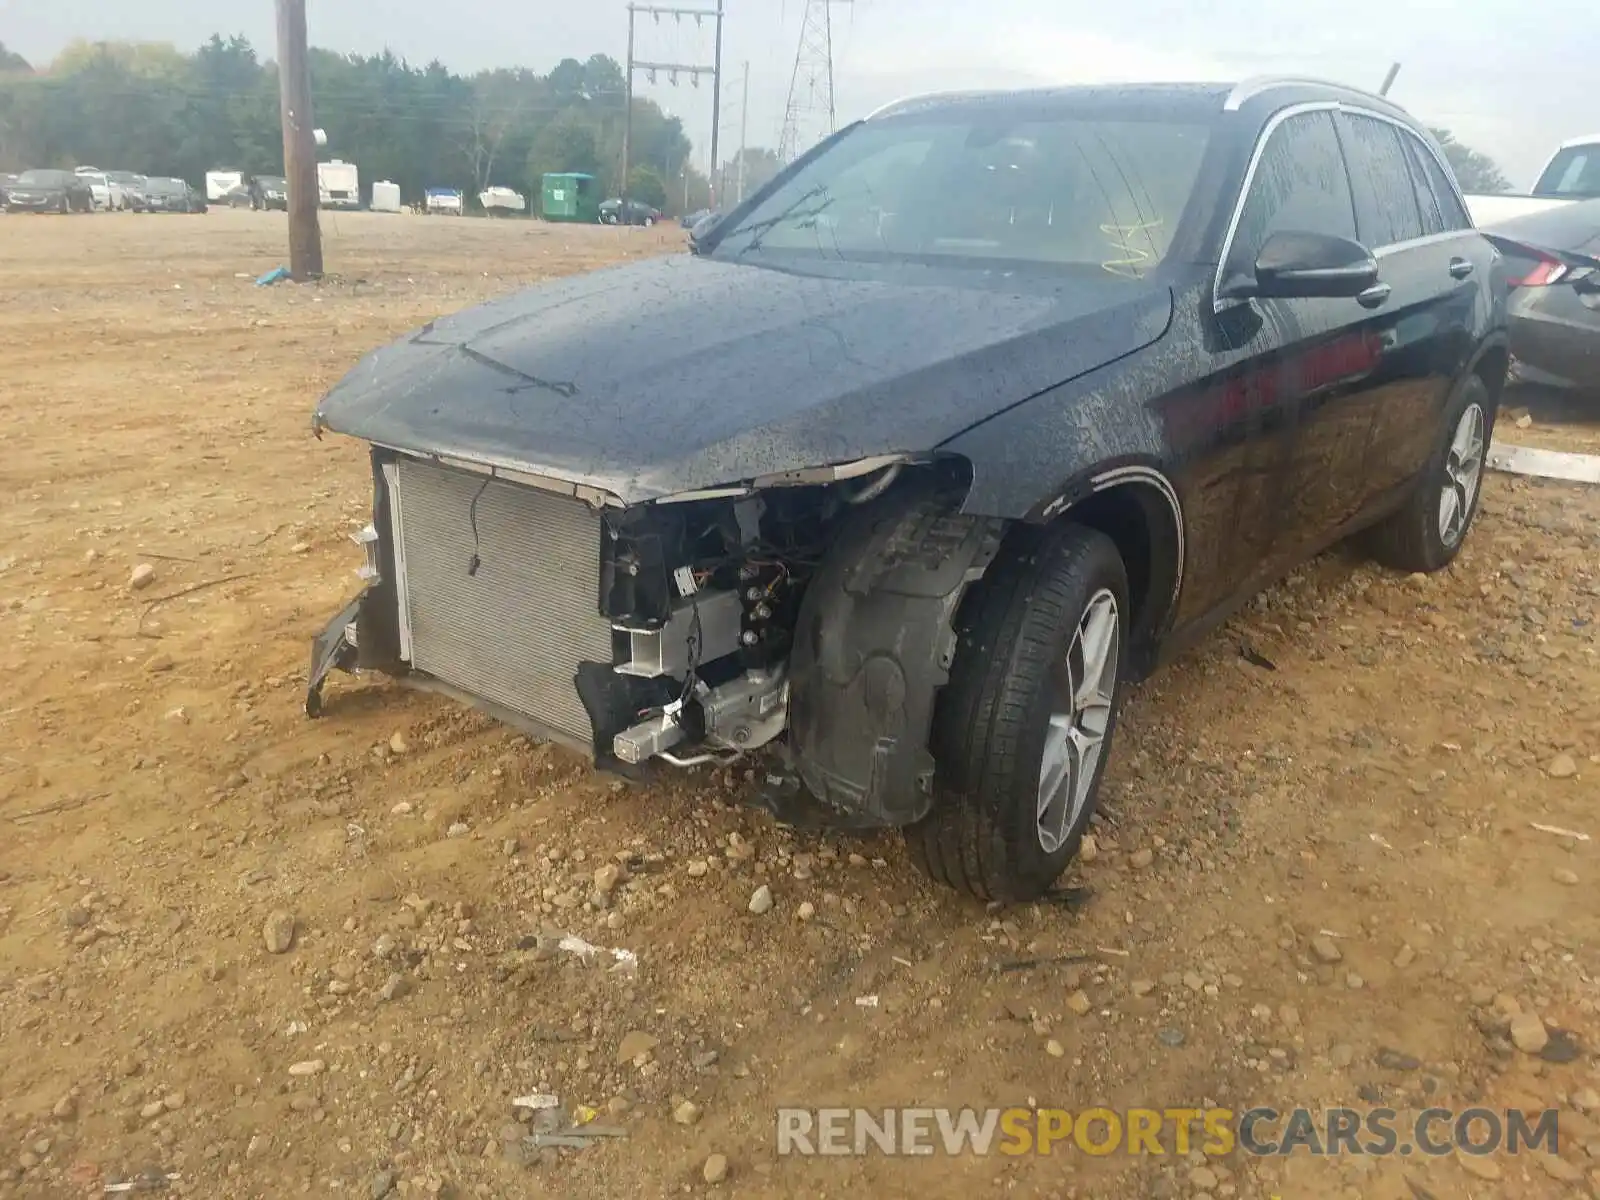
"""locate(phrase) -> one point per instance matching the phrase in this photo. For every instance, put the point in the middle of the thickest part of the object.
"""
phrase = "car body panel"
(568, 381)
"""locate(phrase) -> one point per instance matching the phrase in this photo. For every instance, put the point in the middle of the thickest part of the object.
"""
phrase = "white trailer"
(338, 184)
(220, 182)
(385, 196)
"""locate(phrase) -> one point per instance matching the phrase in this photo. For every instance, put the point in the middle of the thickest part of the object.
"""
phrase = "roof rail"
(1248, 88)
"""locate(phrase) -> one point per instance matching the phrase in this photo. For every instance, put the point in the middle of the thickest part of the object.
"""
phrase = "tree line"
(150, 108)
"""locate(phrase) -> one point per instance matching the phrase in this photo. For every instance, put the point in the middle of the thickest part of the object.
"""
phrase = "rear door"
(1433, 264)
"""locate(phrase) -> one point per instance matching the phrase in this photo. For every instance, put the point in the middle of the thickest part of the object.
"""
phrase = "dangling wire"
(472, 519)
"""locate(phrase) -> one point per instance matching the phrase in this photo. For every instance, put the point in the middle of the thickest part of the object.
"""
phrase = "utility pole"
(744, 121)
(299, 144)
(673, 70)
(627, 119)
(716, 107)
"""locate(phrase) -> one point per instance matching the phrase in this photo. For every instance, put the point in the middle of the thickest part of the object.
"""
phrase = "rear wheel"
(1427, 533)
(1024, 726)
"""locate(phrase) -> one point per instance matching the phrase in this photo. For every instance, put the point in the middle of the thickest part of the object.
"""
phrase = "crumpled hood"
(683, 373)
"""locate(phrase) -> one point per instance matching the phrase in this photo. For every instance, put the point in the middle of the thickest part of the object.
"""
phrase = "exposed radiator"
(515, 631)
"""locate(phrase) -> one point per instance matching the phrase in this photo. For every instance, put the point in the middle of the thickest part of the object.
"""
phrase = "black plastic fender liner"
(873, 645)
(331, 650)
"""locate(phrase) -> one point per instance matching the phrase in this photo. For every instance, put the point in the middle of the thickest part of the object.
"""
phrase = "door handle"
(1374, 295)
(1460, 268)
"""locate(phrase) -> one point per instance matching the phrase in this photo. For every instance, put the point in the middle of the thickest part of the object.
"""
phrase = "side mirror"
(1308, 265)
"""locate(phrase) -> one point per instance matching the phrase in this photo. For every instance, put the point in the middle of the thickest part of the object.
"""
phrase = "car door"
(1298, 365)
(1429, 262)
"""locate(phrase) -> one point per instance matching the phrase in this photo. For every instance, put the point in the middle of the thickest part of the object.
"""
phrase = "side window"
(1386, 201)
(1300, 184)
(1442, 211)
(1433, 219)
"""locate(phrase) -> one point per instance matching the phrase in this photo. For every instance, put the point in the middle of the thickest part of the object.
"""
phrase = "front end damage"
(812, 612)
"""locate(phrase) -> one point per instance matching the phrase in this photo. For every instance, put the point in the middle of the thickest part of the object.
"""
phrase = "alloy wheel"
(1463, 472)
(1082, 686)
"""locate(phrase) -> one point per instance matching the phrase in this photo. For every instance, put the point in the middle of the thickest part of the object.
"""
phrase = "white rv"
(338, 184)
(220, 183)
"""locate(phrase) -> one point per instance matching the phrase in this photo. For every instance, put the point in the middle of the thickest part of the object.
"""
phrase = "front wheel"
(1427, 533)
(1024, 726)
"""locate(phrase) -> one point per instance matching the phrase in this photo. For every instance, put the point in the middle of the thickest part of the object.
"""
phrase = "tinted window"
(1574, 172)
(1386, 201)
(1432, 215)
(44, 178)
(1299, 185)
(1436, 192)
(1095, 190)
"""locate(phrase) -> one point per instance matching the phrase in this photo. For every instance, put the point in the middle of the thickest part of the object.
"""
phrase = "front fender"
(874, 643)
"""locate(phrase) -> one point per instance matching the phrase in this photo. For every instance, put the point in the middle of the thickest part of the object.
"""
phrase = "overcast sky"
(1512, 77)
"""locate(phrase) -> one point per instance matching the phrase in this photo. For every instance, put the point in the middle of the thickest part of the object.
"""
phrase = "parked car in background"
(135, 189)
(165, 194)
(125, 187)
(6, 180)
(1554, 260)
(631, 212)
(49, 191)
(690, 219)
(1572, 173)
(269, 192)
(100, 190)
(1068, 377)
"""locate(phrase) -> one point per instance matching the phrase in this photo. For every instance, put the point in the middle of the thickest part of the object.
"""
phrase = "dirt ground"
(1364, 788)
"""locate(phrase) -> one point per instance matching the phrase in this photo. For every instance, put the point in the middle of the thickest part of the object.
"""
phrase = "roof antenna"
(1388, 80)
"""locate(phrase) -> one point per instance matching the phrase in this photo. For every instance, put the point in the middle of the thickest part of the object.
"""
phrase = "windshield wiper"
(759, 229)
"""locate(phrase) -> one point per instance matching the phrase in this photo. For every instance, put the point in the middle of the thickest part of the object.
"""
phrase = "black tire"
(1413, 538)
(992, 718)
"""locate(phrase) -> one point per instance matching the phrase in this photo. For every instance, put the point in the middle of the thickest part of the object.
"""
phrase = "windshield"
(271, 182)
(166, 187)
(43, 178)
(121, 176)
(1574, 172)
(1076, 190)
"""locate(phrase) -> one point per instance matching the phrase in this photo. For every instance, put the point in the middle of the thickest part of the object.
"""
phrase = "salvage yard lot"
(1307, 856)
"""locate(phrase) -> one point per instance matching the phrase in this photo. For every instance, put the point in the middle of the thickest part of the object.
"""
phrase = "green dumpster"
(570, 197)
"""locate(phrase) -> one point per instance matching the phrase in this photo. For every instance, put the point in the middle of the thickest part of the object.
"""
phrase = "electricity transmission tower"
(809, 114)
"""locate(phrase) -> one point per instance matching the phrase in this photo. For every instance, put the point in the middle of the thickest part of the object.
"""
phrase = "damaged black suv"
(984, 406)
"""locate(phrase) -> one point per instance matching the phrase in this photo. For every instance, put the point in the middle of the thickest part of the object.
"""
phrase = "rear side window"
(1300, 185)
(1386, 199)
(1573, 173)
(1436, 193)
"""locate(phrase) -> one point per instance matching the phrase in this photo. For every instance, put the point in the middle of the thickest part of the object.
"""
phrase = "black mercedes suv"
(982, 407)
